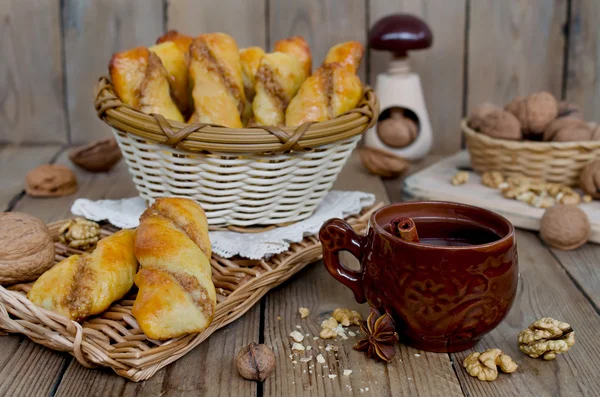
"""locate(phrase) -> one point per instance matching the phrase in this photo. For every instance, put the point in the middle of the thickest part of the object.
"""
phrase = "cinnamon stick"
(406, 229)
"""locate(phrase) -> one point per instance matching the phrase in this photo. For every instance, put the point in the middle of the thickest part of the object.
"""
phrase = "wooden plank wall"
(52, 51)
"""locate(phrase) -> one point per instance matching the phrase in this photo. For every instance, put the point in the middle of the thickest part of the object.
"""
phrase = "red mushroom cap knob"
(400, 33)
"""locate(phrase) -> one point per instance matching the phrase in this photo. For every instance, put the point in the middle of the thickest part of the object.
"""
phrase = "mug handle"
(337, 235)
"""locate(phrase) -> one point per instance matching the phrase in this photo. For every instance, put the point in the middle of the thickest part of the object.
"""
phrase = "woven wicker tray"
(114, 339)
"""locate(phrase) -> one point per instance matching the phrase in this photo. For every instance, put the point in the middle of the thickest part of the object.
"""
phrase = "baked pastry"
(176, 293)
(278, 78)
(329, 92)
(141, 80)
(127, 70)
(216, 80)
(84, 285)
(250, 59)
(172, 49)
(348, 54)
(155, 91)
(297, 47)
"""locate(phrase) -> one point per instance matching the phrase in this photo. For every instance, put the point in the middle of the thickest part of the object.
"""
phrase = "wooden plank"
(515, 47)
(583, 76)
(582, 266)
(440, 67)
(246, 24)
(93, 31)
(15, 162)
(544, 291)
(31, 75)
(409, 374)
(322, 23)
(207, 370)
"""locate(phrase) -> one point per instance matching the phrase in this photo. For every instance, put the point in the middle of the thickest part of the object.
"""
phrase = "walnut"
(567, 109)
(383, 163)
(50, 181)
(304, 312)
(567, 129)
(565, 227)
(26, 248)
(492, 179)
(534, 112)
(589, 179)
(79, 233)
(546, 337)
(98, 156)
(328, 328)
(460, 178)
(569, 198)
(484, 365)
(397, 131)
(347, 317)
(297, 336)
(495, 122)
(256, 362)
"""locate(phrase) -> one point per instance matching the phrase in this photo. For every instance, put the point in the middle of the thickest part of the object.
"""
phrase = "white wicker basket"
(246, 190)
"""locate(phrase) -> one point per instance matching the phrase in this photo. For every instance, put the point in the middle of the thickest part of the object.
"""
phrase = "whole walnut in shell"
(50, 180)
(495, 122)
(567, 129)
(26, 248)
(397, 131)
(565, 227)
(98, 156)
(589, 179)
(256, 362)
(535, 112)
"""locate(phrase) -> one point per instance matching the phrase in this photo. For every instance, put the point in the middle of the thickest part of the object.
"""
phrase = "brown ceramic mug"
(444, 292)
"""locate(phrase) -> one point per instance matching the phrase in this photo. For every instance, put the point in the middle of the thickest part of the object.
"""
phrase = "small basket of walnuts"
(536, 136)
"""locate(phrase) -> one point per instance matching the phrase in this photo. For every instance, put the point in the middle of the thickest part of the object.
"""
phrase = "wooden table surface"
(564, 285)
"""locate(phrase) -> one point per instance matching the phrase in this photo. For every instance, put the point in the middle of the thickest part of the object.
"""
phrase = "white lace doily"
(125, 214)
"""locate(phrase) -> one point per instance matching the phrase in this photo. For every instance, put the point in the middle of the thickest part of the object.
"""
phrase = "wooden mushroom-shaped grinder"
(403, 128)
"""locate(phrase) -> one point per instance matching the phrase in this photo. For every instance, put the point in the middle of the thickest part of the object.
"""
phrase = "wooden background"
(52, 51)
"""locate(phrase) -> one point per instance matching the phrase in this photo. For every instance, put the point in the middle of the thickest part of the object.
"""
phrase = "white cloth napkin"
(125, 214)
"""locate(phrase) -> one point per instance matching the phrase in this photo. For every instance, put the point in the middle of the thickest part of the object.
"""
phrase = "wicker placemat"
(114, 339)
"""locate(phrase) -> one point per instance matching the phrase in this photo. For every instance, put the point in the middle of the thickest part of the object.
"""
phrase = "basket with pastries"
(255, 137)
(536, 136)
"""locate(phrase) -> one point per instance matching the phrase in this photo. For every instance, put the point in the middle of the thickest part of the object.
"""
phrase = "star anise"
(380, 336)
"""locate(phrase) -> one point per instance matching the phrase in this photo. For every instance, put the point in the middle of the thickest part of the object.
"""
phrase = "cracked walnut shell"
(79, 233)
(589, 179)
(484, 366)
(50, 180)
(565, 227)
(546, 338)
(98, 156)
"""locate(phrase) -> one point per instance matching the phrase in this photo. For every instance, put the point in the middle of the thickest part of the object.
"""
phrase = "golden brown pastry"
(329, 92)
(141, 80)
(250, 58)
(348, 54)
(127, 70)
(278, 78)
(297, 47)
(172, 49)
(176, 293)
(216, 80)
(155, 92)
(84, 285)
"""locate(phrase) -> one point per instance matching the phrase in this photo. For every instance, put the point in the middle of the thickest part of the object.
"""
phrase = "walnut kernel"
(546, 337)
(484, 366)
(460, 178)
(79, 233)
(492, 179)
(328, 328)
(304, 312)
(347, 317)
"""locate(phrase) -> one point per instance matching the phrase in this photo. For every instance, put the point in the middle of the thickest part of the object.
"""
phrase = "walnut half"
(546, 337)
(484, 366)
(79, 233)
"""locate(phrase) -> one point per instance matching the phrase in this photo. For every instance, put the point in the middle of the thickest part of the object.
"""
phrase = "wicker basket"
(559, 162)
(113, 339)
(241, 177)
